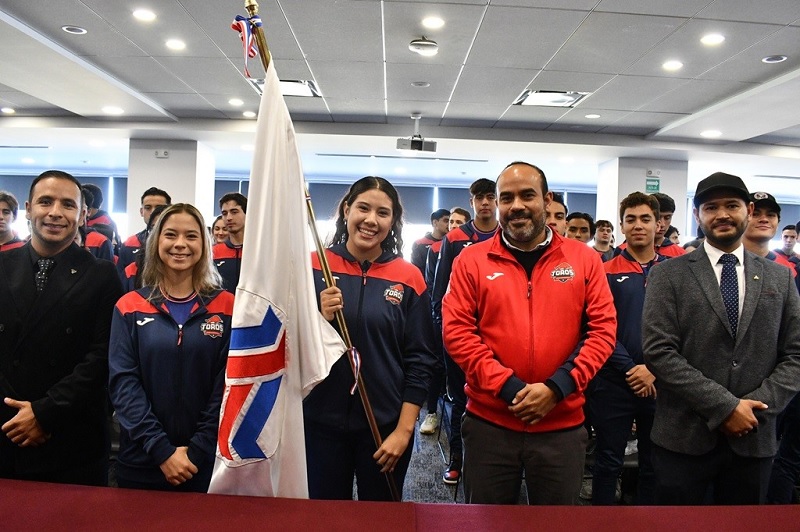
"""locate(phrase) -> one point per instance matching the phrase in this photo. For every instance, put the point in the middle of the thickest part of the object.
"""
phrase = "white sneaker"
(429, 424)
(632, 447)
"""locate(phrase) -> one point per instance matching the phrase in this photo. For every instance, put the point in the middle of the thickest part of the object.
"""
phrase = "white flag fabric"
(281, 346)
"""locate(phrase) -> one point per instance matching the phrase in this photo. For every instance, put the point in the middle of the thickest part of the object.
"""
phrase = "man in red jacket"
(530, 319)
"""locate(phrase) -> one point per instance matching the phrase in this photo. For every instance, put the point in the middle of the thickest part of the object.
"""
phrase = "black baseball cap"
(721, 180)
(436, 215)
(759, 198)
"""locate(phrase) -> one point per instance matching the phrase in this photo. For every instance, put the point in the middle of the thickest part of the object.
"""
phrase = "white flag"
(281, 346)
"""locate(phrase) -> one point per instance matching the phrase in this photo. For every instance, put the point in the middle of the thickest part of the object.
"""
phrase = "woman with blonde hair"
(167, 355)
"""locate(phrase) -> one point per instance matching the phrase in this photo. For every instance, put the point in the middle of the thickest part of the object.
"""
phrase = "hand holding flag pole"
(263, 50)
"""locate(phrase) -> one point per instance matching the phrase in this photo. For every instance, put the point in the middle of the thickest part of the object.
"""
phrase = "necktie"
(41, 276)
(729, 285)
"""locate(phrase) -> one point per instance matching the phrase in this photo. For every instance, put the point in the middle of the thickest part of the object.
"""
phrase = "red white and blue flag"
(281, 346)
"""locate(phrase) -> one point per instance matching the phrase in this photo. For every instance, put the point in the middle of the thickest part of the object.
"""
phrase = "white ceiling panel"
(442, 78)
(553, 80)
(345, 30)
(610, 43)
(337, 80)
(674, 8)
(404, 23)
(747, 66)
(146, 73)
(522, 37)
(695, 95)
(492, 85)
(204, 75)
(632, 92)
(400, 113)
(357, 110)
(767, 11)
(684, 45)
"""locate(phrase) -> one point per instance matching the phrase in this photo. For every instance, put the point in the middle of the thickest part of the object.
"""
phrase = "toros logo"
(563, 273)
(394, 294)
(213, 327)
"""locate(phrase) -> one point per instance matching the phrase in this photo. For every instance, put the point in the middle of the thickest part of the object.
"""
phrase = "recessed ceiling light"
(712, 39)
(113, 110)
(550, 98)
(175, 44)
(672, 66)
(249, 114)
(420, 84)
(424, 47)
(7, 111)
(770, 59)
(236, 102)
(74, 30)
(432, 23)
(28, 160)
(592, 116)
(145, 15)
(711, 134)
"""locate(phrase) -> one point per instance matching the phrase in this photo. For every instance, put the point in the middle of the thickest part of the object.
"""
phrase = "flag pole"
(263, 51)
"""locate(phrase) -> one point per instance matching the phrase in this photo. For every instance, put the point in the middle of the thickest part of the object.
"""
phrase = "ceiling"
(356, 51)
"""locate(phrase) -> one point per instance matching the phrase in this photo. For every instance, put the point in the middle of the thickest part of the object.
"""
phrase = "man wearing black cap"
(419, 249)
(721, 334)
(762, 228)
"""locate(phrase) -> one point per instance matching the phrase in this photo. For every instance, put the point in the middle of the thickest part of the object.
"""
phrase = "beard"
(526, 233)
(721, 241)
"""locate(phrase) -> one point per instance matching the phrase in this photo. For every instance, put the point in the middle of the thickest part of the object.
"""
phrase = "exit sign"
(652, 185)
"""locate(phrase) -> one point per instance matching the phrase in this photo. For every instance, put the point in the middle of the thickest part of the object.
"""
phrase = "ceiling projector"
(416, 143)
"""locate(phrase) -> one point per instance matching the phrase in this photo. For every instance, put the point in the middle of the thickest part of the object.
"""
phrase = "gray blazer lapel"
(753, 275)
(704, 273)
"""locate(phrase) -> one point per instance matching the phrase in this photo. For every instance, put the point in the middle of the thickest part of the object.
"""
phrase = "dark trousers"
(614, 408)
(439, 373)
(333, 457)
(91, 474)
(455, 388)
(495, 459)
(197, 484)
(717, 477)
(786, 467)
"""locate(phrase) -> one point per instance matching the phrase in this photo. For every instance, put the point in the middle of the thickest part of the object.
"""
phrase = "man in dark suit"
(721, 333)
(54, 329)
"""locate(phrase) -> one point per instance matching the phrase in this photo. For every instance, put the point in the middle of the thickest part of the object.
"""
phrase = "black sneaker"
(453, 472)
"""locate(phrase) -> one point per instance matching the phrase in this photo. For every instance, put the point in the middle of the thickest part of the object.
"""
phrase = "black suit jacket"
(54, 353)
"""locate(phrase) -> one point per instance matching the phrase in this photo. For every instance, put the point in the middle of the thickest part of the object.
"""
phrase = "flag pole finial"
(263, 50)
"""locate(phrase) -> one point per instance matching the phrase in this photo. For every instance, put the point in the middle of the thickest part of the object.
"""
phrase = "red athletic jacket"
(558, 327)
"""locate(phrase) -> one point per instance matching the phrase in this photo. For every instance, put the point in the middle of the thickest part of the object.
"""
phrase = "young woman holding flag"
(387, 311)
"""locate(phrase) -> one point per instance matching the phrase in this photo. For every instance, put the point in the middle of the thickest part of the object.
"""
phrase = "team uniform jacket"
(668, 249)
(452, 244)
(228, 259)
(627, 281)
(98, 245)
(793, 262)
(556, 327)
(103, 218)
(133, 245)
(430, 263)
(387, 312)
(166, 382)
(419, 251)
(12, 244)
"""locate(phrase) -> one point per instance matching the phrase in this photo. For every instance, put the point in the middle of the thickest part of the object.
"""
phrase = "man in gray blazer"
(721, 333)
